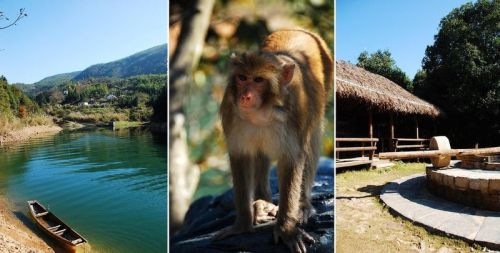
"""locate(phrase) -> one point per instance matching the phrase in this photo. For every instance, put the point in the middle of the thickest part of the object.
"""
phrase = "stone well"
(474, 182)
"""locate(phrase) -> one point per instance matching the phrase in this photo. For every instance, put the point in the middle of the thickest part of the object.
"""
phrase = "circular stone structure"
(410, 198)
(473, 187)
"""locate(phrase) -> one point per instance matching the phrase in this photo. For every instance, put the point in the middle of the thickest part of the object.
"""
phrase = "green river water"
(110, 186)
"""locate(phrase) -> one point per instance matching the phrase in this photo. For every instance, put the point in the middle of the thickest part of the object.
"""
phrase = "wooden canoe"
(54, 226)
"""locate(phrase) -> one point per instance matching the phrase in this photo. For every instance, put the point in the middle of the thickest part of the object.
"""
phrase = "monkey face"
(250, 90)
(258, 80)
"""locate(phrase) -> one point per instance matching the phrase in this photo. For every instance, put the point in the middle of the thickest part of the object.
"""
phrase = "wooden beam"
(351, 164)
(434, 153)
(356, 139)
(344, 149)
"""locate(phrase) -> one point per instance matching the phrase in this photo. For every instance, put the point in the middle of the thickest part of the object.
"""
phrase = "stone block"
(437, 178)
(462, 183)
(449, 182)
(494, 186)
(475, 184)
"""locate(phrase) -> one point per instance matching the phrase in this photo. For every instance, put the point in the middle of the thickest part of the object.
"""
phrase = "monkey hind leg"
(312, 157)
(261, 178)
(264, 209)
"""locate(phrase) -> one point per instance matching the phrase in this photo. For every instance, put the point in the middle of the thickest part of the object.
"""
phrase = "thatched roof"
(375, 91)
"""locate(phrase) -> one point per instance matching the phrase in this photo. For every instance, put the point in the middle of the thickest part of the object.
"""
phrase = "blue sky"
(403, 27)
(60, 36)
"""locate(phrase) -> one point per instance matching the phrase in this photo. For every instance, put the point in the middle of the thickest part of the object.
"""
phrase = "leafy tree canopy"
(462, 72)
(382, 63)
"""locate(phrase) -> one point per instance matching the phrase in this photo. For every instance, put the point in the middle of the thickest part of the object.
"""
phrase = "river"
(110, 186)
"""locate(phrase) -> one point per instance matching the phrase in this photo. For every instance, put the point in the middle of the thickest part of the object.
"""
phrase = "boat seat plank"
(79, 240)
(41, 214)
(54, 228)
(60, 232)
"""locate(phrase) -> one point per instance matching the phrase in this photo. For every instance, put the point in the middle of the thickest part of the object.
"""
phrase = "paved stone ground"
(409, 197)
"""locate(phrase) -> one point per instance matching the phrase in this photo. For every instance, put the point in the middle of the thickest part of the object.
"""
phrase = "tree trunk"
(184, 176)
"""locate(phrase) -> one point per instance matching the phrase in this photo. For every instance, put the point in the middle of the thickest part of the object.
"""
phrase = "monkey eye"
(242, 77)
(258, 79)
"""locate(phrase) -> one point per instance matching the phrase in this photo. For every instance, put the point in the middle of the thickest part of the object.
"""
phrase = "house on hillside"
(375, 115)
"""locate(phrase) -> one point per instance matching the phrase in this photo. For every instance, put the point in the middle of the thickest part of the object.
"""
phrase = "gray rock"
(209, 214)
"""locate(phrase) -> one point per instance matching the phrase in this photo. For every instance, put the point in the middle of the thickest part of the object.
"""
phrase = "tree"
(183, 174)
(22, 14)
(382, 63)
(462, 69)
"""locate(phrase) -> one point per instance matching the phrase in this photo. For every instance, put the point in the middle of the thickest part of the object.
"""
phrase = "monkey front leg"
(243, 184)
(290, 180)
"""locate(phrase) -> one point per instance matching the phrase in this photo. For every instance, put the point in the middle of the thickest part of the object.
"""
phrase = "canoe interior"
(54, 226)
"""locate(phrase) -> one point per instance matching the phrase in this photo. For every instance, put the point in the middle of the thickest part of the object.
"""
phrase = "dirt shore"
(28, 133)
(15, 236)
(364, 224)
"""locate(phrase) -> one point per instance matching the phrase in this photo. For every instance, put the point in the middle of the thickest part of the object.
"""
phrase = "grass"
(126, 124)
(364, 224)
(99, 115)
(10, 122)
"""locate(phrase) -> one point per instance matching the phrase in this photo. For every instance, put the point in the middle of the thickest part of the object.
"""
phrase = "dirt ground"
(364, 224)
(15, 236)
(27, 133)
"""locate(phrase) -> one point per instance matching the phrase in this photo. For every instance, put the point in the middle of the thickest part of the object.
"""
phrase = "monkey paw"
(232, 230)
(263, 211)
(294, 240)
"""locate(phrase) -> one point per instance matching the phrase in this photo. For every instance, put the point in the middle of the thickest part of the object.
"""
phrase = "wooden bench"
(365, 144)
(410, 143)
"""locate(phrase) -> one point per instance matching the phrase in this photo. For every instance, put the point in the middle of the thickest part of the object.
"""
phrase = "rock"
(210, 214)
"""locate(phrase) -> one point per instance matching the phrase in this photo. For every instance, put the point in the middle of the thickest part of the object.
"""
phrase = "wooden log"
(434, 153)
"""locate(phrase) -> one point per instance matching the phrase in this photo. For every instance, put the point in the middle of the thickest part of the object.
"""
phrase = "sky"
(60, 36)
(405, 28)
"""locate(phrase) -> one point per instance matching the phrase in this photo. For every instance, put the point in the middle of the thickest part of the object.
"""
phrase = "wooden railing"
(410, 143)
(365, 145)
(371, 145)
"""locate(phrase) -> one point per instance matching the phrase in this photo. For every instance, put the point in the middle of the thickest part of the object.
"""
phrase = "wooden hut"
(375, 114)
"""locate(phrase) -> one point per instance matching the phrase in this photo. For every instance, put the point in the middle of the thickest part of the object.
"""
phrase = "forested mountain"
(149, 61)
(56, 79)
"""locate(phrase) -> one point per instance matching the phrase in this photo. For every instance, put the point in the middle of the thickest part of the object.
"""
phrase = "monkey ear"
(234, 58)
(287, 73)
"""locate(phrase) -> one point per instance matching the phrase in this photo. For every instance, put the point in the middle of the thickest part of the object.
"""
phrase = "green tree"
(462, 69)
(382, 63)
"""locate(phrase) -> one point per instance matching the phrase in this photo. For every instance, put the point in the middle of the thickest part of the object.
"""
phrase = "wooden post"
(434, 127)
(416, 127)
(370, 132)
(391, 137)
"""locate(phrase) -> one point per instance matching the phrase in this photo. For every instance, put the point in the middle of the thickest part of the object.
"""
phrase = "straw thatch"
(375, 91)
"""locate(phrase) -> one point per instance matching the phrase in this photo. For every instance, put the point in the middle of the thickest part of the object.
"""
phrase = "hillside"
(149, 61)
(56, 79)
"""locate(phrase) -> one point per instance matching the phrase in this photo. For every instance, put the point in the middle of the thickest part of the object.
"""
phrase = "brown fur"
(284, 124)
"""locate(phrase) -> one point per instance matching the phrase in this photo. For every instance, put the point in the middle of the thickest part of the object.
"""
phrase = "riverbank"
(15, 236)
(27, 133)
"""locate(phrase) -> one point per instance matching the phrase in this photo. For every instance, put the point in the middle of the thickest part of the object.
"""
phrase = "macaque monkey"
(273, 109)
